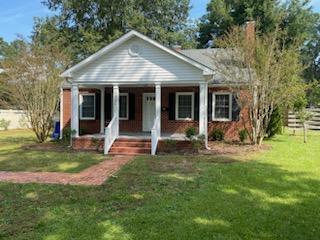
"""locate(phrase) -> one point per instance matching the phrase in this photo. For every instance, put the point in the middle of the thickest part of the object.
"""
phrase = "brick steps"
(132, 144)
(129, 146)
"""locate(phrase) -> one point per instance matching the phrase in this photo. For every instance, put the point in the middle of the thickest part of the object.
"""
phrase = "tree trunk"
(305, 132)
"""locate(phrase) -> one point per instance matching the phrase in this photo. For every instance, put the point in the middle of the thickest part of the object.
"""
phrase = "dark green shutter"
(132, 106)
(196, 106)
(235, 109)
(98, 104)
(108, 106)
(209, 106)
(172, 106)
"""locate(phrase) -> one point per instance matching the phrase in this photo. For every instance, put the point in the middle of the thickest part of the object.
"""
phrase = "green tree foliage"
(271, 71)
(7, 51)
(276, 123)
(81, 27)
(223, 14)
(294, 16)
(33, 84)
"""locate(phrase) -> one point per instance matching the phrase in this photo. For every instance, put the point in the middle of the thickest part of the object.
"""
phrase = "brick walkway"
(95, 175)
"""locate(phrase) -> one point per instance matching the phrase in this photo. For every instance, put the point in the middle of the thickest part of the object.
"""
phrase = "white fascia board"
(116, 43)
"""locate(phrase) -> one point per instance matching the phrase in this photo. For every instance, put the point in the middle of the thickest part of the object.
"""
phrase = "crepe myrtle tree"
(33, 79)
(262, 72)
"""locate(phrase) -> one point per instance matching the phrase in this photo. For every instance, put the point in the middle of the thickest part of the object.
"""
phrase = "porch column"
(102, 118)
(75, 109)
(115, 113)
(203, 111)
(158, 107)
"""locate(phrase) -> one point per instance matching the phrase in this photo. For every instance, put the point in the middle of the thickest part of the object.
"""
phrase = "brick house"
(142, 92)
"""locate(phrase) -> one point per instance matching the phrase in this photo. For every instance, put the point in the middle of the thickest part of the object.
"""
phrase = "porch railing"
(111, 134)
(155, 135)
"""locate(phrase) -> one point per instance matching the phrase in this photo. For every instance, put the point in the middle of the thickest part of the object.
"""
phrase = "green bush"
(275, 124)
(191, 132)
(198, 142)
(170, 145)
(66, 135)
(217, 135)
(4, 124)
(243, 135)
(96, 143)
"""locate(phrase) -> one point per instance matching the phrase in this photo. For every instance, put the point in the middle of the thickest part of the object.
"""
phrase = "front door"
(149, 111)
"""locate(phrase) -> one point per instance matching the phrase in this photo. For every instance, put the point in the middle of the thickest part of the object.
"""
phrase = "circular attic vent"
(135, 50)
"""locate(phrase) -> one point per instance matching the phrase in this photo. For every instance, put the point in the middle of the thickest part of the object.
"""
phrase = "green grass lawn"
(14, 156)
(275, 195)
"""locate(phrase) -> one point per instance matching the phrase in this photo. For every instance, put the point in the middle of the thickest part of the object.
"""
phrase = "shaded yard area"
(271, 195)
(19, 152)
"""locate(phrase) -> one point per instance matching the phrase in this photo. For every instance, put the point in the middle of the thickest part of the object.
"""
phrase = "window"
(123, 106)
(184, 106)
(221, 105)
(87, 106)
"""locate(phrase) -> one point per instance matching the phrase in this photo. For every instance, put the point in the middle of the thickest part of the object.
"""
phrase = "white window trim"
(192, 105)
(127, 95)
(94, 106)
(214, 107)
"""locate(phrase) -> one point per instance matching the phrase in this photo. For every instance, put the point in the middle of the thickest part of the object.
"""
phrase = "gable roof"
(206, 70)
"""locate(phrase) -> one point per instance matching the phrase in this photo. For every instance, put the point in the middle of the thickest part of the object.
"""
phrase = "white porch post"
(203, 111)
(158, 108)
(102, 118)
(116, 107)
(75, 109)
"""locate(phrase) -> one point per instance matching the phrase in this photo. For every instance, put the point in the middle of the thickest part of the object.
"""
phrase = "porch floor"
(140, 135)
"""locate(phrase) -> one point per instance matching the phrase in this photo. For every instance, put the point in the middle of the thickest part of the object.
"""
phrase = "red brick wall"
(87, 126)
(66, 120)
(87, 143)
(168, 126)
(232, 128)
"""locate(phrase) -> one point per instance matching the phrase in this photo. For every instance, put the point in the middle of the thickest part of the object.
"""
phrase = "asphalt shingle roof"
(213, 58)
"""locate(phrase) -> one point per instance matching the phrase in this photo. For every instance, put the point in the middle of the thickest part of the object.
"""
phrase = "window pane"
(184, 106)
(222, 106)
(123, 101)
(88, 107)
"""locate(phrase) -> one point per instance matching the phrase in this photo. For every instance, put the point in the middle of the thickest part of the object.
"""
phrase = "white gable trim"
(124, 38)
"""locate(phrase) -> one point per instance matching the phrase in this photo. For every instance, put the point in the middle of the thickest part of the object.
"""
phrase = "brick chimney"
(250, 30)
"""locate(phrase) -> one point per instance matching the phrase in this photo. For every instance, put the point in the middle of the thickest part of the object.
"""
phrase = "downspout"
(209, 79)
(61, 112)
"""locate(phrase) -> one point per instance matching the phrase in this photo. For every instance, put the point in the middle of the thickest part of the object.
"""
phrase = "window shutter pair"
(109, 102)
(172, 106)
(235, 108)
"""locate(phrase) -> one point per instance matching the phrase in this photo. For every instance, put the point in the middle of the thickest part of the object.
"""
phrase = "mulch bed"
(222, 148)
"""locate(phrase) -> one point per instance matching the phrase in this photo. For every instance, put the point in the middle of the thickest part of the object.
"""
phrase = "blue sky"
(16, 16)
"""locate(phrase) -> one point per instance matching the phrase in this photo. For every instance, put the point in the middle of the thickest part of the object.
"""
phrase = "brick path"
(95, 175)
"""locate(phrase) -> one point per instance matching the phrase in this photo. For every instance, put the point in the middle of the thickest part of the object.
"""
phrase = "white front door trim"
(148, 111)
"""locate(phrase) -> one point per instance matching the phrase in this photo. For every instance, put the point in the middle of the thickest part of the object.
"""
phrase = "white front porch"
(112, 131)
(140, 135)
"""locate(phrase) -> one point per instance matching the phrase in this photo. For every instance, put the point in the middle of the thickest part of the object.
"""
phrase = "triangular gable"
(123, 39)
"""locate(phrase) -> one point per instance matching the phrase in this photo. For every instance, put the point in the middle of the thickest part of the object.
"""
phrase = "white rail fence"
(111, 134)
(155, 135)
(17, 118)
(314, 124)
